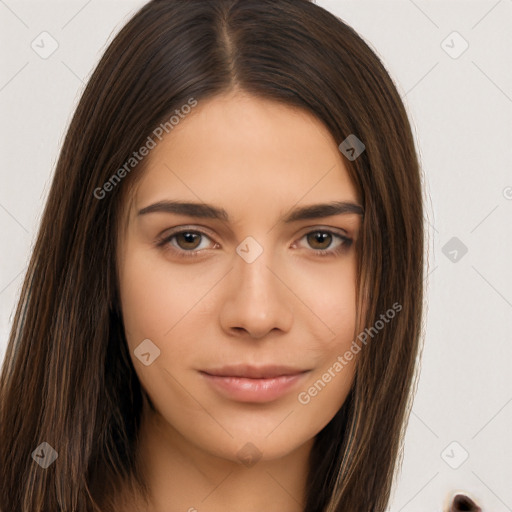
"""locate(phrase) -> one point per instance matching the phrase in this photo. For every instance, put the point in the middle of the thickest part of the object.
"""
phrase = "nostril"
(462, 503)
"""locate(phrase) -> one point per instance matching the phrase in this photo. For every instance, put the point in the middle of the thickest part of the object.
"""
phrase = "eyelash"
(181, 253)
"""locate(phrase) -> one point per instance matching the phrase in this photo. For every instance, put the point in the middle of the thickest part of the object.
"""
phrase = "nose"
(258, 299)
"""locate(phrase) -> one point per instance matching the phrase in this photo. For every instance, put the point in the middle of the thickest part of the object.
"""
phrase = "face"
(236, 315)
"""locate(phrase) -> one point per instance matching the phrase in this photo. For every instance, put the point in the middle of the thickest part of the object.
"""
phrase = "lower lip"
(254, 390)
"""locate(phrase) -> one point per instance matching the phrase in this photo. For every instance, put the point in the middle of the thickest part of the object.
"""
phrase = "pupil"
(321, 237)
(189, 237)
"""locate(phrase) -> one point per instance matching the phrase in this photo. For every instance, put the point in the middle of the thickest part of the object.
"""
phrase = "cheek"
(330, 297)
(154, 297)
(335, 355)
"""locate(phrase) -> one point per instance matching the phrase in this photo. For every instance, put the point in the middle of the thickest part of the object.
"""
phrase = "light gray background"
(461, 110)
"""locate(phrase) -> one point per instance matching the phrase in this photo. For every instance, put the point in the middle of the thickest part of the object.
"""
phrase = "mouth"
(244, 383)
(254, 372)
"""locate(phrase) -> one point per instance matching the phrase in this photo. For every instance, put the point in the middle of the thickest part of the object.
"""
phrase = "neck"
(183, 477)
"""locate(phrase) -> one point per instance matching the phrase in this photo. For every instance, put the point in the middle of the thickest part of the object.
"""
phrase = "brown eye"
(186, 243)
(322, 242)
(319, 239)
(188, 240)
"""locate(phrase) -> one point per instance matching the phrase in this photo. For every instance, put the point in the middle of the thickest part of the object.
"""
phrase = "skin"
(257, 159)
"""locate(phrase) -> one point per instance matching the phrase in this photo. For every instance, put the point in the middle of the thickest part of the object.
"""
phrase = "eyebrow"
(207, 211)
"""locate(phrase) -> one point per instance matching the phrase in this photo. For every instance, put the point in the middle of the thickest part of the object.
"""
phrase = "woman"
(181, 341)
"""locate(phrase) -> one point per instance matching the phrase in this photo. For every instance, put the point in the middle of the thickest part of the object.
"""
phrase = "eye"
(187, 243)
(321, 239)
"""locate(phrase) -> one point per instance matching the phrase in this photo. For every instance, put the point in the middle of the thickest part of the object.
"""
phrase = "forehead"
(244, 152)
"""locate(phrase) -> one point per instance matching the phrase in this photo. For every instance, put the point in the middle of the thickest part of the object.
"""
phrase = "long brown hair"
(67, 378)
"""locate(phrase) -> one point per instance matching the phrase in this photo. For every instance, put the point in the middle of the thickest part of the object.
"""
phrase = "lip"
(245, 383)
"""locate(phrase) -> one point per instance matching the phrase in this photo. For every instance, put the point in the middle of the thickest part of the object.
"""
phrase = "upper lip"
(253, 372)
